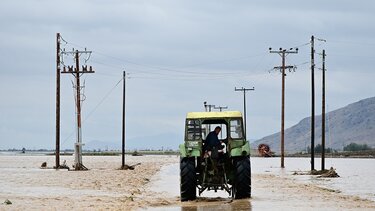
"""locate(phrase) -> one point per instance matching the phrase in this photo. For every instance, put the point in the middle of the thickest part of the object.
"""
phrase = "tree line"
(352, 147)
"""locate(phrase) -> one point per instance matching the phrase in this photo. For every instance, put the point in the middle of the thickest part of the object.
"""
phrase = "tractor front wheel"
(188, 179)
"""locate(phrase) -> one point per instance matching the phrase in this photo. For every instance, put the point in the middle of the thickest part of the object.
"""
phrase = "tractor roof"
(213, 115)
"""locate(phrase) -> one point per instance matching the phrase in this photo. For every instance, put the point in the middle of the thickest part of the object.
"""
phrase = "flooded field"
(154, 185)
(103, 186)
(356, 175)
(356, 179)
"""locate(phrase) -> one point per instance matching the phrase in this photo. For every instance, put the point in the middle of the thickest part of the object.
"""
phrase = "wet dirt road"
(167, 182)
(273, 188)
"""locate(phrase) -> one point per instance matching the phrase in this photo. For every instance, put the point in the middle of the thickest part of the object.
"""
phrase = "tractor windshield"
(210, 125)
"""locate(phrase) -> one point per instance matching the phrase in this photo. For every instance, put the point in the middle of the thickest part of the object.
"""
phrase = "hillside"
(352, 123)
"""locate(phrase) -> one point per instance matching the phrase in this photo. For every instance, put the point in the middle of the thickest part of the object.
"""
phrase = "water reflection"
(217, 204)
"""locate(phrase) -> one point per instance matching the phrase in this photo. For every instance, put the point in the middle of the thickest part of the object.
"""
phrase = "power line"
(96, 107)
(102, 100)
(350, 42)
(141, 74)
(176, 70)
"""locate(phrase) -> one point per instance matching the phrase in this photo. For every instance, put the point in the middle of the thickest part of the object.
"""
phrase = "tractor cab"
(221, 163)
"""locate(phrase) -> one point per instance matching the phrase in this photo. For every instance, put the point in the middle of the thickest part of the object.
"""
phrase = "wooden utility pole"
(77, 72)
(313, 100)
(57, 152)
(244, 90)
(312, 105)
(323, 109)
(123, 120)
(283, 53)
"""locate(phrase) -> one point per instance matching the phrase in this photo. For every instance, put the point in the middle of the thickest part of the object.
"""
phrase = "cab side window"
(193, 130)
(236, 129)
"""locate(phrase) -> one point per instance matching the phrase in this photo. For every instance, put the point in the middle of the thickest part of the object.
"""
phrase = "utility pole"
(123, 120)
(77, 73)
(283, 53)
(244, 90)
(221, 125)
(208, 106)
(57, 152)
(312, 105)
(313, 101)
(323, 109)
(209, 110)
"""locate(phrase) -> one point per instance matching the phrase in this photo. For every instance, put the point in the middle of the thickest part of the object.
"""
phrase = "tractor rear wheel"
(242, 182)
(188, 179)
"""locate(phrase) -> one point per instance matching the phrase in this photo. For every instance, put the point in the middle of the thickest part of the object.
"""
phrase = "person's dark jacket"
(211, 141)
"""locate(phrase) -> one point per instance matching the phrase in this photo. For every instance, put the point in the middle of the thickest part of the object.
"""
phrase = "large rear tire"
(188, 179)
(242, 182)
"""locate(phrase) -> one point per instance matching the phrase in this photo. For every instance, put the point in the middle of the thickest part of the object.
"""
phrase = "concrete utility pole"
(283, 53)
(123, 120)
(77, 72)
(323, 109)
(57, 152)
(244, 90)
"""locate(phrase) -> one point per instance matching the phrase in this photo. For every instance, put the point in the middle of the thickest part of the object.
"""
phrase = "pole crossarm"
(243, 89)
(220, 108)
(289, 67)
(72, 70)
(73, 52)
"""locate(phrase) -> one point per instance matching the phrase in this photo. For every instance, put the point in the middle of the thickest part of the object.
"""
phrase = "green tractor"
(225, 167)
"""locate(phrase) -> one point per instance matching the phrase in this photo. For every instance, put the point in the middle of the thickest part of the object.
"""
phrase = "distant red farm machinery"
(264, 150)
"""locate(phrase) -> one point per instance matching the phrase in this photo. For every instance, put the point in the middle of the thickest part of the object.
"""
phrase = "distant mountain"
(352, 123)
(161, 141)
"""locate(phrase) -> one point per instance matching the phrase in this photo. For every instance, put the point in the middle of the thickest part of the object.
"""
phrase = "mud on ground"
(105, 187)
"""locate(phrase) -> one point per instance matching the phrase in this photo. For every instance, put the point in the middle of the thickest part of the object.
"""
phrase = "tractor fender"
(182, 150)
(241, 151)
(188, 152)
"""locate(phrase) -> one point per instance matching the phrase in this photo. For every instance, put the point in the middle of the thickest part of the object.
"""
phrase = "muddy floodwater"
(154, 185)
(356, 180)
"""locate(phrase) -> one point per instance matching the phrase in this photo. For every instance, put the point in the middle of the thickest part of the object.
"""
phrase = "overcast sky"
(178, 54)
